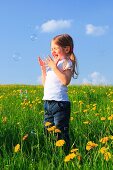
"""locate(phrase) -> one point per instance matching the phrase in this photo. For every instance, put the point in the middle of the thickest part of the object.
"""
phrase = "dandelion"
(104, 140)
(93, 91)
(60, 143)
(88, 106)
(47, 123)
(85, 111)
(79, 157)
(17, 148)
(96, 114)
(94, 108)
(86, 122)
(80, 102)
(110, 117)
(75, 112)
(25, 137)
(111, 137)
(51, 128)
(91, 145)
(4, 119)
(57, 131)
(71, 118)
(69, 157)
(74, 150)
(102, 118)
(107, 156)
(103, 150)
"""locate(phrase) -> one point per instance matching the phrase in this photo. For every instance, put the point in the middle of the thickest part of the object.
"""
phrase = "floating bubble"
(33, 132)
(33, 37)
(16, 56)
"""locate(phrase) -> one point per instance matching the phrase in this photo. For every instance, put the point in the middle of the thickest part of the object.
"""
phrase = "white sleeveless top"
(53, 88)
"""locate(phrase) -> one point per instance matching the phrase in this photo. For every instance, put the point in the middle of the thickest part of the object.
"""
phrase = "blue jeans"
(58, 113)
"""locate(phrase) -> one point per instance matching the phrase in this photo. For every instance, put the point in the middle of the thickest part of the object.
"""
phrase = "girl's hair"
(64, 40)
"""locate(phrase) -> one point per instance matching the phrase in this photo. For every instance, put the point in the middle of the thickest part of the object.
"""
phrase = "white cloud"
(96, 30)
(95, 78)
(53, 25)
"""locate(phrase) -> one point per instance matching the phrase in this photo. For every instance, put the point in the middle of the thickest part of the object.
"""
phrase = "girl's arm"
(64, 76)
(43, 75)
(43, 69)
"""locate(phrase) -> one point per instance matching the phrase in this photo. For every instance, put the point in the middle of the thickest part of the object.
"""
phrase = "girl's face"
(57, 51)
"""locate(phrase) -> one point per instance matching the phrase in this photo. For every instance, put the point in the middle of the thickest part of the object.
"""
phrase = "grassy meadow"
(24, 146)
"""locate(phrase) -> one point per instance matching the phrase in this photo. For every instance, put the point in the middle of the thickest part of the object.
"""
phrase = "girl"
(56, 75)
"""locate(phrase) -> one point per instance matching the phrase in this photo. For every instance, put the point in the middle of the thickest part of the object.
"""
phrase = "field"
(23, 144)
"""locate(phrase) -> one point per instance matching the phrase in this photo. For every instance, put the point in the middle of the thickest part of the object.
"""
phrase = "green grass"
(21, 113)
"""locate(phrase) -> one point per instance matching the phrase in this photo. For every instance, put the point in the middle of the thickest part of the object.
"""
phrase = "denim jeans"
(58, 113)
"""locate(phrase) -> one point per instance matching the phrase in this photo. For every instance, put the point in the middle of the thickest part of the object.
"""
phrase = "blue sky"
(27, 27)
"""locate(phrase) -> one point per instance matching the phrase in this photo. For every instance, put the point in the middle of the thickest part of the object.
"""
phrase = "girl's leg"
(61, 120)
(48, 117)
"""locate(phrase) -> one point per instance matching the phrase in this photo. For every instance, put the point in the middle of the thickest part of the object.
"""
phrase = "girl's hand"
(42, 64)
(56, 59)
(51, 63)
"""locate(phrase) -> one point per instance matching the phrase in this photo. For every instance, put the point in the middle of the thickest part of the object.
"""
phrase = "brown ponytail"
(75, 65)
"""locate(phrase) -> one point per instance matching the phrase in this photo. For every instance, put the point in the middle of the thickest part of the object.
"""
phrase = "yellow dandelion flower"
(86, 122)
(69, 157)
(47, 123)
(107, 156)
(51, 128)
(74, 150)
(75, 112)
(4, 119)
(102, 118)
(111, 137)
(94, 108)
(103, 150)
(17, 148)
(93, 91)
(79, 157)
(88, 106)
(96, 114)
(71, 118)
(104, 140)
(80, 102)
(110, 117)
(60, 143)
(25, 137)
(91, 145)
(84, 111)
(72, 155)
(57, 131)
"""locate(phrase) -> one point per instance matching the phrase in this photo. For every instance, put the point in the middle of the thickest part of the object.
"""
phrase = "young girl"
(56, 75)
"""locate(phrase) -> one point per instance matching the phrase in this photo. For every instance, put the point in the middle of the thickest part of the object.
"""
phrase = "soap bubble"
(33, 132)
(16, 56)
(33, 37)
